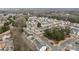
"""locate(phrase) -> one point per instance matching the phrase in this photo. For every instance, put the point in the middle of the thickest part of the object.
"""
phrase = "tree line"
(71, 18)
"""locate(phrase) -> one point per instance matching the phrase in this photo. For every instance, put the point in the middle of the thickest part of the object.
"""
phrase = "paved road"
(44, 41)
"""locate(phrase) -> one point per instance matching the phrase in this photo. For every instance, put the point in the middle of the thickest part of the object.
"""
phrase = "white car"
(43, 48)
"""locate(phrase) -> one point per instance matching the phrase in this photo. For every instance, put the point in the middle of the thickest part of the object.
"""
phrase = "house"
(74, 30)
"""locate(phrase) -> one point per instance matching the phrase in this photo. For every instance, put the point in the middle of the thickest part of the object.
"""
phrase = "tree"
(14, 17)
(39, 24)
(48, 34)
(6, 23)
(4, 29)
(1, 31)
(67, 31)
(56, 34)
(5, 14)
